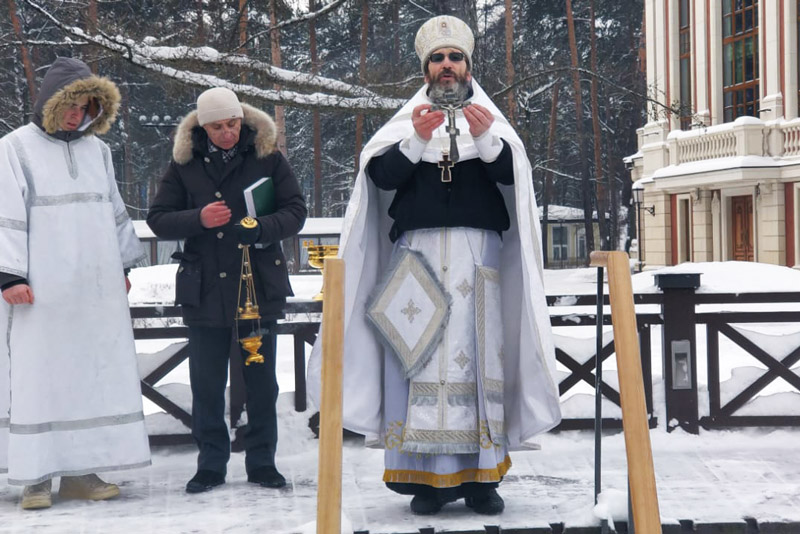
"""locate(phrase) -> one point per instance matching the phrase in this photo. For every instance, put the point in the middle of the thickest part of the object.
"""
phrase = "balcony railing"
(707, 146)
(791, 138)
(745, 136)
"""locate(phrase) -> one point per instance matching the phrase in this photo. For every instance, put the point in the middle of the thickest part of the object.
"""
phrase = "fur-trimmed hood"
(67, 80)
(255, 119)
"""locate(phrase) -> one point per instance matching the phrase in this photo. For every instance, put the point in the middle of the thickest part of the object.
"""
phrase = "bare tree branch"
(39, 42)
(150, 58)
(600, 77)
(299, 20)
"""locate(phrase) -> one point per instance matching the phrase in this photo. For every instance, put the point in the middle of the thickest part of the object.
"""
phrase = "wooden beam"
(329, 484)
(641, 474)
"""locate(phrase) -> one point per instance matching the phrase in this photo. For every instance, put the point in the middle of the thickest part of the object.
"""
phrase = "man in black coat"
(220, 149)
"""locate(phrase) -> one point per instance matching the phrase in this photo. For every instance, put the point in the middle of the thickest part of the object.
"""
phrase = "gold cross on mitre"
(445, 165)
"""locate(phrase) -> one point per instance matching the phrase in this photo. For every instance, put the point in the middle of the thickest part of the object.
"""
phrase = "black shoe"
(204, 480)
(425, 505)
(489, 504)
(267, 476)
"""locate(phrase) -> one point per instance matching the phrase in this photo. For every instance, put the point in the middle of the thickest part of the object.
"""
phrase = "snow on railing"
(743, 137)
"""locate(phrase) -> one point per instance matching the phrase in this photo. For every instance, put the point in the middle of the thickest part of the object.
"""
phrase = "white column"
(769, 47)
(715, 27)
(699, 49)
(656, 55)
(716, 228)
(790, 58)
(654, 133)
(672, 28)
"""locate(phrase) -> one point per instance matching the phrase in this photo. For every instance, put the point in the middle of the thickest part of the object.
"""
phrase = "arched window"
(740, 58)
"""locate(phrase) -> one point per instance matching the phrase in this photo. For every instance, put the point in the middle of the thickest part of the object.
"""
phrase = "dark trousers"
(209, 349)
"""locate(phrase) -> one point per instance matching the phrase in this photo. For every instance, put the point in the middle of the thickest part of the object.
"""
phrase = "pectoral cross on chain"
(453, 131)
(445, 165)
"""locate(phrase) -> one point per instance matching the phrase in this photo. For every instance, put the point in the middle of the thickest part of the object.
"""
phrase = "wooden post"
(329, 485)
(641, 475)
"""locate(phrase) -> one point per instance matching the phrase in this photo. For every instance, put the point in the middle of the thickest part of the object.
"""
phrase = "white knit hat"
(444, 32)
(218, 104)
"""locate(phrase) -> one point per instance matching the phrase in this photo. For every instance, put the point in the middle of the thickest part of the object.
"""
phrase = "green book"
(260, 198)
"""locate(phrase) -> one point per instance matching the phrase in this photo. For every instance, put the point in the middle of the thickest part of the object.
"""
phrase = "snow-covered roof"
(564, 213)
(721, 164)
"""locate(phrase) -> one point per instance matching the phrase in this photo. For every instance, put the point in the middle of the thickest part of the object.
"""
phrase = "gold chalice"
(317, 254)
(248, 310)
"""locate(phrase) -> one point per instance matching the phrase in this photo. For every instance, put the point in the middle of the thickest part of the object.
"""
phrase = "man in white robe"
(65, 243)
(482, 382)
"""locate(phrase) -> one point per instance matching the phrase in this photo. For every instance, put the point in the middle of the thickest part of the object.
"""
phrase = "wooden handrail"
(329, 485)
(641, 474)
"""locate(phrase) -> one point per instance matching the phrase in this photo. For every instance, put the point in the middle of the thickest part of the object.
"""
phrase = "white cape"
(76, 404)
(531, 393)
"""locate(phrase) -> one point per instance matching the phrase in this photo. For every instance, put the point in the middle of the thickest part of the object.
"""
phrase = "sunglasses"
(455, 57)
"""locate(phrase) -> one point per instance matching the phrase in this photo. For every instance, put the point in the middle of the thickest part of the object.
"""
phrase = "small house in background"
(159, 252)
(317, 231)
(566, 236)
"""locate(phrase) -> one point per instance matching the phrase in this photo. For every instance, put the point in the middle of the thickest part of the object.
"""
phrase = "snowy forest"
(569, 74)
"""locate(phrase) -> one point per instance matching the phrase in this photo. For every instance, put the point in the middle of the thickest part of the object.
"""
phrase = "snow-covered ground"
(719, 476)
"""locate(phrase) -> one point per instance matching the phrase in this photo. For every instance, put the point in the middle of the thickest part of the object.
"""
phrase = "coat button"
(441, 382)
(180, 269)
(207, 160)
(277, 262)
(444, 268)
(219, 235)
(223, 275)
(218, 194)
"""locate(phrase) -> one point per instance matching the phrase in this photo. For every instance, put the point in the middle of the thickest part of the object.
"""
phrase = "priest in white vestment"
(66, 242)
(449, 361)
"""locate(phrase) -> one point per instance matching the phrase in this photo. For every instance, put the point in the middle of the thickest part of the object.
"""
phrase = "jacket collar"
(262, 137)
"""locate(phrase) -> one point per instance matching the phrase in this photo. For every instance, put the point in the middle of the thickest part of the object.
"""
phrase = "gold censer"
(248, 310)
(316, 259)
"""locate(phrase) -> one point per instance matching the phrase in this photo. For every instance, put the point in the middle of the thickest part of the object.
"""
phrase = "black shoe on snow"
(204, 480)
(267, 477)
(489, 504)
(425, 505)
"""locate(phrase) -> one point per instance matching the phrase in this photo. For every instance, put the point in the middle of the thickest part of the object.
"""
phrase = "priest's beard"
(449, 93)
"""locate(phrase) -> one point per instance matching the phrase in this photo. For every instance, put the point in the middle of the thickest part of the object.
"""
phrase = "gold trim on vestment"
(448, 480)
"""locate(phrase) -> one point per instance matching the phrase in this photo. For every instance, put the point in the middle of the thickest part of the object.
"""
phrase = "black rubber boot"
(267, 477)
(204, 480)
(422, 505)
(489, 504)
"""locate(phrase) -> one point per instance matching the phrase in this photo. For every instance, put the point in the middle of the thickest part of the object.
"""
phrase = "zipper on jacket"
(73, 171)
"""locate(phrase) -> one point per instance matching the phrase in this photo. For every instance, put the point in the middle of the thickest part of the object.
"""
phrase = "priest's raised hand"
(426, 123)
